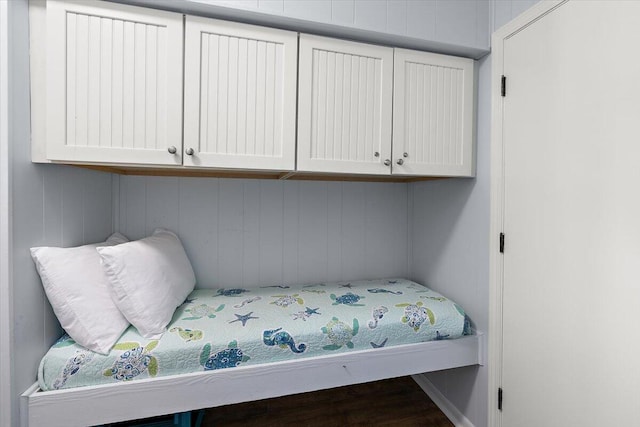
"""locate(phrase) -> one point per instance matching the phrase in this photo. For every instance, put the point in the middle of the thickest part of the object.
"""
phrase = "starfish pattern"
(243, 318)
(309, 311)
(374, 345)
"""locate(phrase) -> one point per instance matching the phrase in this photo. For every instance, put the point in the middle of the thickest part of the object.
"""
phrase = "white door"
(572, 218)
(344, 106)
(433, 114)
(240, 95)
(114, 83)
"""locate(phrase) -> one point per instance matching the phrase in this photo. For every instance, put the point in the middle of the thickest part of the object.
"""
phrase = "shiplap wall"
(449, 240)
(52, 205)
(461, 22)
(263, 232)
(353, 231)
(449, 251)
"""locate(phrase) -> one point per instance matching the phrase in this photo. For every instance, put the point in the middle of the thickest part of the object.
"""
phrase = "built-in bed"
(233, 345)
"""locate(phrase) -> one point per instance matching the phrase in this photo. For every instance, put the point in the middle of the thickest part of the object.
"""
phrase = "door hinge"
(501, 243)
(500, 399)
(503, 86)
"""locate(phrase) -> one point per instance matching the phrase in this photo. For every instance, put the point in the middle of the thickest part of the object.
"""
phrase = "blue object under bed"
(224, 328)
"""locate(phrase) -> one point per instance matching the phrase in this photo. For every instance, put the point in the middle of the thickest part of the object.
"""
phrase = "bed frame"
(93, 405)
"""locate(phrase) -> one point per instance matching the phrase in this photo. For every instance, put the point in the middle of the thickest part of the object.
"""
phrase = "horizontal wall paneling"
(258, 232)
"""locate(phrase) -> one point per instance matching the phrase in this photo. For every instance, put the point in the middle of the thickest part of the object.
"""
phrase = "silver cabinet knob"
(189, 151)
(172, 150)
(376, 154)
(387, 162)
(405, 154)
(400, 161)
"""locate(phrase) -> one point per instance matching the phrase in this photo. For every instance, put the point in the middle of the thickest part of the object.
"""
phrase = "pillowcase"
(148, 279)
(78, 291)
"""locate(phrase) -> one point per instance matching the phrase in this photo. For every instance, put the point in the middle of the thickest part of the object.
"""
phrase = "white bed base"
(91, 405)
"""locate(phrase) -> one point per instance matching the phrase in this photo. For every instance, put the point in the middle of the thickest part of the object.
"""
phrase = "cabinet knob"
(405, 154)
(189, 151)
(400, 161)
(172, 150)
(387, 162)
(376, 154)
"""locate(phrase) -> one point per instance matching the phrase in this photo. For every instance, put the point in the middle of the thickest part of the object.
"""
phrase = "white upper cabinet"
(114, 83)
(111, 77)
(240, 95)
(344, 106)
(433, 114)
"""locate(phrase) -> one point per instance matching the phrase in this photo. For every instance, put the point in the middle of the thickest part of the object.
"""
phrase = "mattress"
(224, 328)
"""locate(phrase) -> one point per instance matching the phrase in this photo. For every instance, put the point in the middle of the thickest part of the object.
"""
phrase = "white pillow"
(78, 291)
(148, 279)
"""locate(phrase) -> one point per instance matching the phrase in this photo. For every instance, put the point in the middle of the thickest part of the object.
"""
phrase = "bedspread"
(224, 328)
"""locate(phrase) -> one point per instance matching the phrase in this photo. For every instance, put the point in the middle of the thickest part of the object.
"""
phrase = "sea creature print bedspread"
(229, 327)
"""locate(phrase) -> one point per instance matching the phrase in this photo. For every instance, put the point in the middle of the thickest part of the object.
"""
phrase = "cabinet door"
(114, 84)
(344, 106)
(433, 114)
(240, 95)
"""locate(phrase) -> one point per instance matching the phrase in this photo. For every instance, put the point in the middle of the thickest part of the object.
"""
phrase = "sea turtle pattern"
(230, 357)
(339, 333)
(134, 361)
(415, 315)
(349, 299)
(188, 334)
(202, 310)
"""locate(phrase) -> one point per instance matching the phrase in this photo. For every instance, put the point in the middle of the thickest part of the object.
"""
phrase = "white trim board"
(448, 408)
(497, 199)
(171, 394)
(6, 299)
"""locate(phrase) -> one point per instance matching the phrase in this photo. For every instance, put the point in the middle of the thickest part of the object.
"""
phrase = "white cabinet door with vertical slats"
(240, 95)
(433, 109)
(114, 83)
(344, 106)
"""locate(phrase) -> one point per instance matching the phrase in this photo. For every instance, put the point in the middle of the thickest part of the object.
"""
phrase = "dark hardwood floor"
(395, 402)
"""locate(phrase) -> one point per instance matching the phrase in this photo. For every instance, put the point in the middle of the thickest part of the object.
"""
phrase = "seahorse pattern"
(247, 301)
(377, 314)
(282, 339)
(72, 366)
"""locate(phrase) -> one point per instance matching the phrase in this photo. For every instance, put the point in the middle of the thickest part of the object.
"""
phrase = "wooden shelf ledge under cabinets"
(247, 174)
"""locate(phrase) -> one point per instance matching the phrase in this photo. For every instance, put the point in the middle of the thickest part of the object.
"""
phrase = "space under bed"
(233, 345)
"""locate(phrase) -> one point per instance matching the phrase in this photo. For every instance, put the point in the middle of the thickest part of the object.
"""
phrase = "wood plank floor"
(395, 402)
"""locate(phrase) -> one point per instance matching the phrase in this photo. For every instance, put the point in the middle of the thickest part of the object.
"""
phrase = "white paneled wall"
(505, 10)
(449, 223)
(260, 232)
(457, 22)
(449, 252)
(52, 205)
